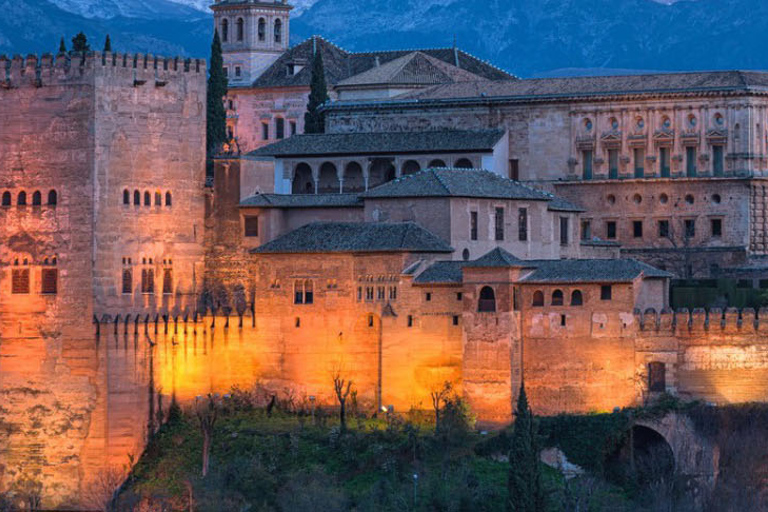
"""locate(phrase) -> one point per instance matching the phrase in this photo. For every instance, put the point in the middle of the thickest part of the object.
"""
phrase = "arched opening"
(126, 197)
(557, 298)
(22, 199)
(224, 30)
(37, 198)
(410, 167)
(463, 163)
(168, 199)
(303, 182)
(382, 171)
(147, 199)
(158, 199)
(278, 31)
(538, 299)
(437, 163)
(329, 179)
(6, 199)
(136, 198)
(645, 458)
(576, 298)
(353, 178)
(240, 29)
(487, 301)
(262, 29)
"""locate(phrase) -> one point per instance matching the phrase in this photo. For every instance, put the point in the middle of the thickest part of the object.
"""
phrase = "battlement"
(683, 323)
(78, 68)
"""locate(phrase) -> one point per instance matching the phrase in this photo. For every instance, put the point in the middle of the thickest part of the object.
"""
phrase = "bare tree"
(687, 260)
(438, 400)
(342, 388)
(100, 493)
(207, 410)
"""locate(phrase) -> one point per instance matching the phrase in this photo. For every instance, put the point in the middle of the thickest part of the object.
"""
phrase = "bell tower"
(254, 33)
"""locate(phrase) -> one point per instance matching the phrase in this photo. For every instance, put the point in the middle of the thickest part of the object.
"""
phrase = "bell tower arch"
(254, 33)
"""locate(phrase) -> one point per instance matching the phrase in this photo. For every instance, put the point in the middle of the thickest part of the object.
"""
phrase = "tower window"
(264, 131)
(262, 29)
(127, 281)
(168, 199)
(22, 199)
(225, 30)
(278, 31)
(158, 199)
(126, 197)
(564, 238)
(37, 198)
(473, 225)
(6, 199)
(522, 224)
(279, 128)
(240, 29)
(499, 222)
(50, 281)
(136, 198)
(487, 302)
(147, 199)
(147, 281)
(20, 281)
(167, 281)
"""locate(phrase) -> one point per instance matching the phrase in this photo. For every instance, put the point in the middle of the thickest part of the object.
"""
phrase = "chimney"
(455, 53)
(378, 61)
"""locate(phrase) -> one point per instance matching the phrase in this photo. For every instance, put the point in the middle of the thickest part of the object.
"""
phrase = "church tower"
(254, 33)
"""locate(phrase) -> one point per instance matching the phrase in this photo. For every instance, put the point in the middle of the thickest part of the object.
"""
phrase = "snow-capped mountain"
(145, 9)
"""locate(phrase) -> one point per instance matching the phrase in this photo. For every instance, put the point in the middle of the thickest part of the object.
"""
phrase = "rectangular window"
(514, 169)
(564, 228)
(637, 229)
(690, 228)
(410, 321)
(369, 293)
(50, 281)
(264, 131)
(606, 292)
(657, 377)
(664, 162)
(428, 296)
(226, 71)
(613, 164)
(718, 160)
(499, 222)
(639, 162)
(252, 226)
(393, 293)
(610, 230)
(147, 281)
(586, 230)
(459, 296)
(359, 294)
(293, 127)
(381, 293)
(690, 161)
(20, 281)
(309, 292)
(522, 224)
(127, 281)
(455, 320)
(717, 228)
(237, 71)
(298, 292)
(663, 229)
(587, 158)
(473, 225)
(280, 128)
(167, 281)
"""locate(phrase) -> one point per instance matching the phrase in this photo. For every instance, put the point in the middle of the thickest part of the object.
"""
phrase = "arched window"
(224, 30)
(168, 199)
(262, 29)
(136, 198)
(303, 181)
(576, 298)
(37, 198)
(353, 178)
(6, 199)
(298, 292)
(557, 298)
(437, 163)
(240, 29)
(158, 199)
(278, 31)
(487, 302)
(147, 199)
(410, 167)
(22, 200)
(126, 197)
(538, 299)
(463, 163)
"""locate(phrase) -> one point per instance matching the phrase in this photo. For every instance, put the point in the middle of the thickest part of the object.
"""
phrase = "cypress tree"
(80, 43)
(107, 45)
(62, 46)
(314, 120)
(525, 492)
(216, 133)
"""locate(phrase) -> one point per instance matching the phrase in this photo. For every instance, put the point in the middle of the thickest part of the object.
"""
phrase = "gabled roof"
(348, 237)
(447, 141)
(558, 204)
(303, 201)
(446, 182)
(413, 69)
(340, 64)
(498, 258)
(442, 272)
(591, 271)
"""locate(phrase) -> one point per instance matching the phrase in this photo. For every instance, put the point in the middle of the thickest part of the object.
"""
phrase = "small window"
(167, 281)
(459, 296)
(499, 224)
(168, 199)
(20, 281)
(690, 228)
(557, 298)
(514, 169)
(50, 281)
(564, 228)
(309, 295)
(370, 320)
(586, 162)
(465, 254)
(562, 321)
(278, 31)
(147, 281)
(393, 293)
(428, 296)
(455, 320)
(613, 164)
(538, 299)
(637, 229)
(298, 292)
(410, 321)
(136, 198)
(606, 292)
(522, 224)
(264, 131)
(487, 302)
(252, 226)
(279, 128)
(473, 226)
(298, 322)
(293, 127)
(663, 229)
(262, 29)
(359, 294)
(22, 199)
(610, 230)
(126, 197)
(127, 281)
(240, 29)
(586, 230)
(381, 293)
(577, 299)
(37, 198)
(690, 161)
(147, 199)
(369, 293)
(158, 199)
(224, 30)
(717, 228)
(657, 377)
(6, 199)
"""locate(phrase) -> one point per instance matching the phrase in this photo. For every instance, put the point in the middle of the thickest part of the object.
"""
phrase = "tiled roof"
(334, 237)
(415, 68)
(559, 204)
(498, 258)
(591, 271)
(457, 183)
(340, 64)
(445, 272)
(383, 143)
(303, 201)
(578, 87)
